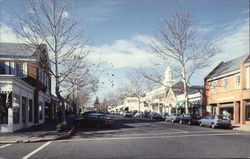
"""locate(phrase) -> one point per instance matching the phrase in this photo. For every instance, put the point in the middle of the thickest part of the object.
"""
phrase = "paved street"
(139, 138)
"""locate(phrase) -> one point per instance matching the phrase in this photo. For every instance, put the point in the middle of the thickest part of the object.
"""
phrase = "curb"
(245, 130)
(65, 136)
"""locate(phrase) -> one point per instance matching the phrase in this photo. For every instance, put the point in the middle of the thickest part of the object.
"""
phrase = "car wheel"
(180, 122)
(201, 124)
(213, 126)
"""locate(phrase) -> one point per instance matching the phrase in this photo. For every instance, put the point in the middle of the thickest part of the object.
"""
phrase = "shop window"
(2, 68)
(248, 112)
(237, 81)
(24, 104)
(3, 109)
(16, 109)
(30, 110)
(40, 110)
(228, 112)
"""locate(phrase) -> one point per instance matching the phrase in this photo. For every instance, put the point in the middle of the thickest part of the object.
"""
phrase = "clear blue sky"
(119, 30)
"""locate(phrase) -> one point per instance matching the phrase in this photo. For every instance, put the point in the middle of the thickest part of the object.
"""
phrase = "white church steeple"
(168, 77)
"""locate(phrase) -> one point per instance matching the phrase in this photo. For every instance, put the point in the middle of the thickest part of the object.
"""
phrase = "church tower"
(168, 77)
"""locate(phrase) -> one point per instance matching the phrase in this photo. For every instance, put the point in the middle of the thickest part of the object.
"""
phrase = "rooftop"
(16, 50)
(227, 67)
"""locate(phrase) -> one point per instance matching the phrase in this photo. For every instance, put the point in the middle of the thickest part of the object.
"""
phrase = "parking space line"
(4, 146)
(36, 150)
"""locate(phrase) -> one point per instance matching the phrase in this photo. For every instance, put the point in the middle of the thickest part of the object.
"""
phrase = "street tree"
(136, 86)
(181, 44)
(49, 22)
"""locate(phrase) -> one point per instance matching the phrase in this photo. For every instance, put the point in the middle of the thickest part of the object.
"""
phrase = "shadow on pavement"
(124, 124)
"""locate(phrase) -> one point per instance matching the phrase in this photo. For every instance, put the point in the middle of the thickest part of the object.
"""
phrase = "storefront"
(227, 109)
(16, 104)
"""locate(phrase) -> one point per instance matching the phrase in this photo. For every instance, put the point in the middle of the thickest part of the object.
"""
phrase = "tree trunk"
(185, 89)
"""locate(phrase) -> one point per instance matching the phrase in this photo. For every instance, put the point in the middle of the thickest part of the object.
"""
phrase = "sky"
(120, 31)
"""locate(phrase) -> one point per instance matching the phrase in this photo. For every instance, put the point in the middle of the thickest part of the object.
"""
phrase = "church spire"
(168, 77)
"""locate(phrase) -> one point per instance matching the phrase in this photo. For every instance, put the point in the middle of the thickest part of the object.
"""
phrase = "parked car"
(167, 117)
(127, 114)
(215, 121)
(139, 115)
(146, 114)
(175, 117)
(157, 117)
(97, 120)
(190, 119)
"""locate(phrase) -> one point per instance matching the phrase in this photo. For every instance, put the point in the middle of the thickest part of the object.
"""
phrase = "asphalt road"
(139, 138)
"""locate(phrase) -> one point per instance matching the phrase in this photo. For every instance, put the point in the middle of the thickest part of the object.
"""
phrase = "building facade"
(227, 90)
(25, 86)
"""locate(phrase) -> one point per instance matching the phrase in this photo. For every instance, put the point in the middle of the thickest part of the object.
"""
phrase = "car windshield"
(196, 116)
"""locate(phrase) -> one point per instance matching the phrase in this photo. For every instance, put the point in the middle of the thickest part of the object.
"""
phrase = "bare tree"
(137, 85)
(180, 43)
(48, 22)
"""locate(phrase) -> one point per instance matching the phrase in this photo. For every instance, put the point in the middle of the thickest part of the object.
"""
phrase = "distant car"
(121, 113)
(139, 115)
(190, 119)
(167, 117)
(157, 117)
(215, 121)
(175, 117)
(93, 119)
(127, 114)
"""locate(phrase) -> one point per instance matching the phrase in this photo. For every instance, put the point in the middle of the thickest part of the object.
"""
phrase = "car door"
(211, 119)
(205, 121)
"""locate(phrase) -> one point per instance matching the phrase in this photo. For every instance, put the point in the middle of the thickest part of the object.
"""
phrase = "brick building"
(227, 90)
(25, 86)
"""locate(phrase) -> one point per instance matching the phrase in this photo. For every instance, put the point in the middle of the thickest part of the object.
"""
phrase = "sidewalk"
(38, 133)
(241, 127)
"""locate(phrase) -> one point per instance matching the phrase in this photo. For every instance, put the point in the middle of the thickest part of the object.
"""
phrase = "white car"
(215, 121)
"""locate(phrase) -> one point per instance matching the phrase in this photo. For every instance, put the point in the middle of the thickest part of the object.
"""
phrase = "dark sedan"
(93, 119)
(190, 119)
(157, 117)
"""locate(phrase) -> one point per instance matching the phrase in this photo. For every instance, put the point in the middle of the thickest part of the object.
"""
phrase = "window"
(30, 111)
(224, 84)
(214, 86)
(212, 116)
(228, 112)
(19, 69)
(16, 109)
(24, 103)
(207, 117)
(248, 112)
(237, 81)
(2, 68)
(3, 109)
(40, 110)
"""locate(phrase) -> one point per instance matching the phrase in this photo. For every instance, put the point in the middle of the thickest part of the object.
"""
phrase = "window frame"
(237, 81)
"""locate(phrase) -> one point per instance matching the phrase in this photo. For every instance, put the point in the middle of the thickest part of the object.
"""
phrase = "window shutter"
(25, 70)
(6, 67)
(12, 68)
